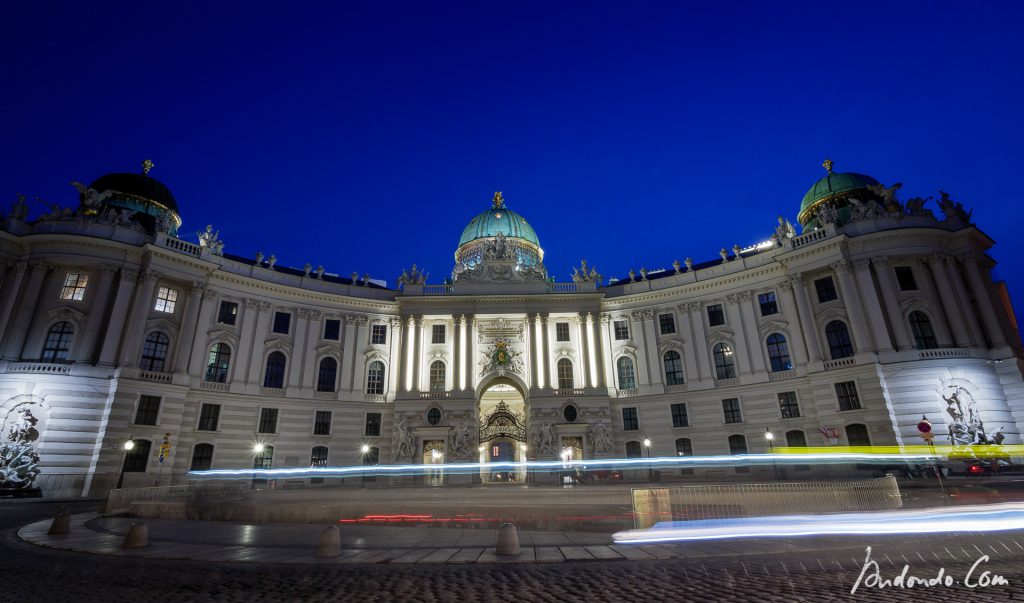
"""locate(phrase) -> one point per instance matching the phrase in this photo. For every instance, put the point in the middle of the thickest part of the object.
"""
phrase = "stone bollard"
(330, 542)
(61, 523)
(137, 536)
(508, 540)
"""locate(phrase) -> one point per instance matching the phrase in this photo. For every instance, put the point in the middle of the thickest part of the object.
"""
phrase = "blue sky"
(364, 136)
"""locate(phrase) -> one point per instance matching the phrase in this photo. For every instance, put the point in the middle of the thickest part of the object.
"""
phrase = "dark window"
(826, 289)
(274, 375)
(434, 416)
(737, 444)
(564, 367)
(921, 327)
(268, 420)
(570, 413)
(839, 343)
(847, 394)
(332, 329)
(633, 450)
(149, 408)
(796, 439)
(731, 410)
(136, 459)
(58, 342)
(673, 368)
(327, 376)
(378, 334)
(630, 421)
(372, 457)
(228, 313)
(857, 435)
(684, 447)
(905, 278)
(667, 323)
(319, 457)
(621, 329)
(322, 422)
(372, 424)
(154, 352)
(437, 378)
(209, 416)
(627, 376)
(725, 367)
(437, 334)
(561, 331)
(788, 405)
(679, 416)
(282, 322)
(375, 378)
(217, 363)
(778, 353)
(264, 459)
(716, 316)
(202, 457)
(768, 304)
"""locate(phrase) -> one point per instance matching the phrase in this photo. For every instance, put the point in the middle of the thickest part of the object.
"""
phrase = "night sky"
(365, 136)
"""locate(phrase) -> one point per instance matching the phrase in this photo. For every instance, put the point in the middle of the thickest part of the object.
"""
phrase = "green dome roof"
(833, 184)
(498, 219)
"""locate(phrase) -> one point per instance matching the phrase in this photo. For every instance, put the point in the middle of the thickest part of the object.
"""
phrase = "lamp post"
(768, 435)
(650, 469)
(128, 446)
(257, 450)
(481, 473)
(365, 450)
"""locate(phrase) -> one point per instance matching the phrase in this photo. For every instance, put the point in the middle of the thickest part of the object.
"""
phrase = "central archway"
(502, 425)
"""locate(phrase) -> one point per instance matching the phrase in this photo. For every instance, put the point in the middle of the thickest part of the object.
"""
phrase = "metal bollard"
(330, 542)
(61, 523)
(137, 536)
(508, 540)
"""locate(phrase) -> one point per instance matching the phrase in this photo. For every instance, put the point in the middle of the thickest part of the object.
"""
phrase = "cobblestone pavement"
(36, 574)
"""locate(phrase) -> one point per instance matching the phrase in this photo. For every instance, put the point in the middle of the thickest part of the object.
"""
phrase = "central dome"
(499, 235)
(498, 219)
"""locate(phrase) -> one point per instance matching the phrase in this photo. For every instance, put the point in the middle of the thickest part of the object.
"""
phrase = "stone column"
(546, 352)
(348, 354)
(531, 321)
(966, 310)
(689, 348)
(581, 334)
(457, 352)
(187, 333)
(985, 307)
(417, 352)
(651, 357)
(359, 364)
(240, 363)
(115, 326)
(409, 351)
(395, 344)
(742, 347)
(471, 352)
(594, 337)
(10, 290)
(795, 293)
(949, 305)
(943, 330)
(22, 318)
(606, 339)
(695, 315)
(253, 360)
(86, 351)
(851, 298)
(869, 295)
(293, 376)
(137, 318)
(887, 283)
(750, 331)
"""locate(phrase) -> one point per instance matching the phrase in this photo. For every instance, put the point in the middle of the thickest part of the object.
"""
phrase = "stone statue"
(689, 264)
(124, 217)
(601, 437)
(366, 280)
(632, 275)
(271, 261)
(259, 258)
(915, 207)
(724, 254)
(736, 251)
(583, 274)
(888, 197)
(403, 440)
(546, 441)
(19, 462)
(785, 229)
(19, 209)
(320, 271)
(163, 224)
(461, 442)
(675, 265)
(91, 199)
(208, 238)
(643, 273)
(953, 210)
(827, 214)
(966, 427)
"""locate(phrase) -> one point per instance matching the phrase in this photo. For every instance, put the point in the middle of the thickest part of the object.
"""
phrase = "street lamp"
(650, 469)
(365, 450)
(768, 435)
(128, 446)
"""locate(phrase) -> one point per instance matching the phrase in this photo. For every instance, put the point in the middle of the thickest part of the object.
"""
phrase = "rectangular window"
(561, 331)
(228, 313)
(332, 329)
(621, 330)
(372, 424)
(437, 334)
(282, 322)
(847, 394)
(209, 416)
(379, 334)
(268, 420)
(788, 405)
(731, 409)
(667, 322)
(716, 316)
(149, 407)
(74, 286)
(679, 416)
(630, 421)
(826, 289)
(768, 305)
(905, 278)
(322, 423)
(319, 457)
(166, 299)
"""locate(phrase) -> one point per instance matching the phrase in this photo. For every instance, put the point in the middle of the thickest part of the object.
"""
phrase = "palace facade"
(113, 329)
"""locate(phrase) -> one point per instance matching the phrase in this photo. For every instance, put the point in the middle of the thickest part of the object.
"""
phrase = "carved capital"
(861, 264)
(969, 260)
(881, 261)
(745, 296)
(395, 323)
(21, 267)
(264, 306)
(252, 303)
(732, 298)
(129, 274)
(361, 321)
(581, 318)
(350, 319)
(107, 270)
(841, 266)
(605, 319)
(786, 285)
(196, 288)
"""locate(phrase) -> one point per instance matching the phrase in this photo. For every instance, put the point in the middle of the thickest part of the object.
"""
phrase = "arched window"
(725, 367)
(217, 363)
(839, 343)
(924, 337)
(684, 447)
(796, 439)
(136, 459)
(737, 444)
(319, 457)
(274, 375)
(565, 380)
(202, 457)
(375, 378)
(857, 435)
(627, 376)
(58, 342)
(327, 376)
(778, 353)
(437, 381)
(264, 459)
(633, 450)
(154, 352)
(673, 368)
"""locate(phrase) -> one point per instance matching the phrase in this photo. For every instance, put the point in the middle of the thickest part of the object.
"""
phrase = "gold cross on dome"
(146, 166)
(497, 201)
(827, 164)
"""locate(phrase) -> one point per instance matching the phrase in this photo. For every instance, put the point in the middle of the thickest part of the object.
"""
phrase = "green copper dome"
(498, 219)
(833, 185)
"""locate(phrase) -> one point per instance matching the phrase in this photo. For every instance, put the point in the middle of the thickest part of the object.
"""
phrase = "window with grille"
(282, 322)
(228, 313)
(778, 353)
(847, 394)
(322, 422)
(839, 343)
(327, 375)
(565, 380)
(332, 329)
(268, 420)
(621, 329)
(627, 376)
(768, 304)
(319, 457)
(209, 416)
(149, 408)
(716, 316)
(667, 323)
(57, 347)
(857, 435)
(561, 331)
(905, 278)
(202, 457)
(74, 286)
(136, 459)
(375, 378)
(630, 420)
(684, 447)
(166, 300)
(437, 333)
(437, 376)
(434, 416)
(273, 376)
(217, 363)
(679, 416)
(378, 334)
(264, 459)
(921, 327)
(737, 444)
(673, 368)
(154, 352)
(826, 289)
(788, 405)
(725, 366)
(731, 410)
(372, 424)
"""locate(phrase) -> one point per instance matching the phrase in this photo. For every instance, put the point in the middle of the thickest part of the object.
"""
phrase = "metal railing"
(121, 499)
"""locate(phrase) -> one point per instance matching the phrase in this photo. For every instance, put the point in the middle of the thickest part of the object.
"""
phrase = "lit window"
(319, 457)
(263, 459)
(379, 334)
(58, 342)
(725, 367)
(74, 286)
(437, 334)
(565, 380)
(437, 380)
(217, 363)
(375, 378)
(561, 331)
(627, 376)
(621, 330)
(166, 299)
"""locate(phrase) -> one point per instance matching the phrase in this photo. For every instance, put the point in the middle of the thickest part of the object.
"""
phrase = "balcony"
(831, 365)
(627, 393)
(379, 398)
(675, 389)
(274, 392)
(155, 376)
(569, 391)
(48, 368)
(942, 353)
(437, 394)
(782, 375)
(325, 395)
(213, 386)
(727, 382)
